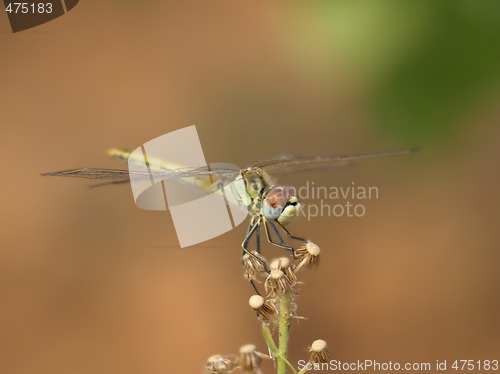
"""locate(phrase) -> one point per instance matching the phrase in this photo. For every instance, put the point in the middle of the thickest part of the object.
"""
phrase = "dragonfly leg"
(252, 223)
(257, 234)
(277, 232)
(255, 288)
(270, 240)
(252, 230)
(290, 235)
(257, 237)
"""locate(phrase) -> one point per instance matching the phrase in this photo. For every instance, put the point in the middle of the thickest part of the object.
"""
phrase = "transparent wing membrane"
(289, 163)
(90, 173)
(117, 174)
(278, 164)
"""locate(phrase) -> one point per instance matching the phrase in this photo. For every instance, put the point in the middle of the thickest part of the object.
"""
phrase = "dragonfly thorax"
(256, 181)
(281, 204)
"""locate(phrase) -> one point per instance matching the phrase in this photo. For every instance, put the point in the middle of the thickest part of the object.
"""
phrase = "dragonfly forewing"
(290, 163)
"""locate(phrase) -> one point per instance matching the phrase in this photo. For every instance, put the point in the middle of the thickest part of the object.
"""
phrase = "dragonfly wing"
(183, 185)
(117, 174)
(287, 163)
(91, 173)
(110, 182)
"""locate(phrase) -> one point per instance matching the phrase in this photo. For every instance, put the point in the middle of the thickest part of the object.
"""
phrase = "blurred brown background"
(91, 284)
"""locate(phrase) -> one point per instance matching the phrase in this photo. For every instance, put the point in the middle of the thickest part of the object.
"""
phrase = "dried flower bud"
(253, 264)
(218, 364)
(250, 359)
(307, 255)
(319, 352)
(284, 265)
(265, 309)
(277, 283)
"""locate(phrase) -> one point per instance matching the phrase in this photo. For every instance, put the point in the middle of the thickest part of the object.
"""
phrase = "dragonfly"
(270, 206)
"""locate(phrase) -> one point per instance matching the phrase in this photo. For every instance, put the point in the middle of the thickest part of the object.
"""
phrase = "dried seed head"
(253, 264)
(280, 263)
(307, 255)
(319, 352)
(218, 364)
(250, 359)
(277, 283)
(265, 309)
(284, 265)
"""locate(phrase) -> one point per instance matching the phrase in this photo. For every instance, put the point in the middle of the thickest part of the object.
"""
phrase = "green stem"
(268, 337)
(303, 371)
(284, 329)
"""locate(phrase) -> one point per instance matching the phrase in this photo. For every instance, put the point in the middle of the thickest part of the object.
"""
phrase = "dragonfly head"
(281, 204)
